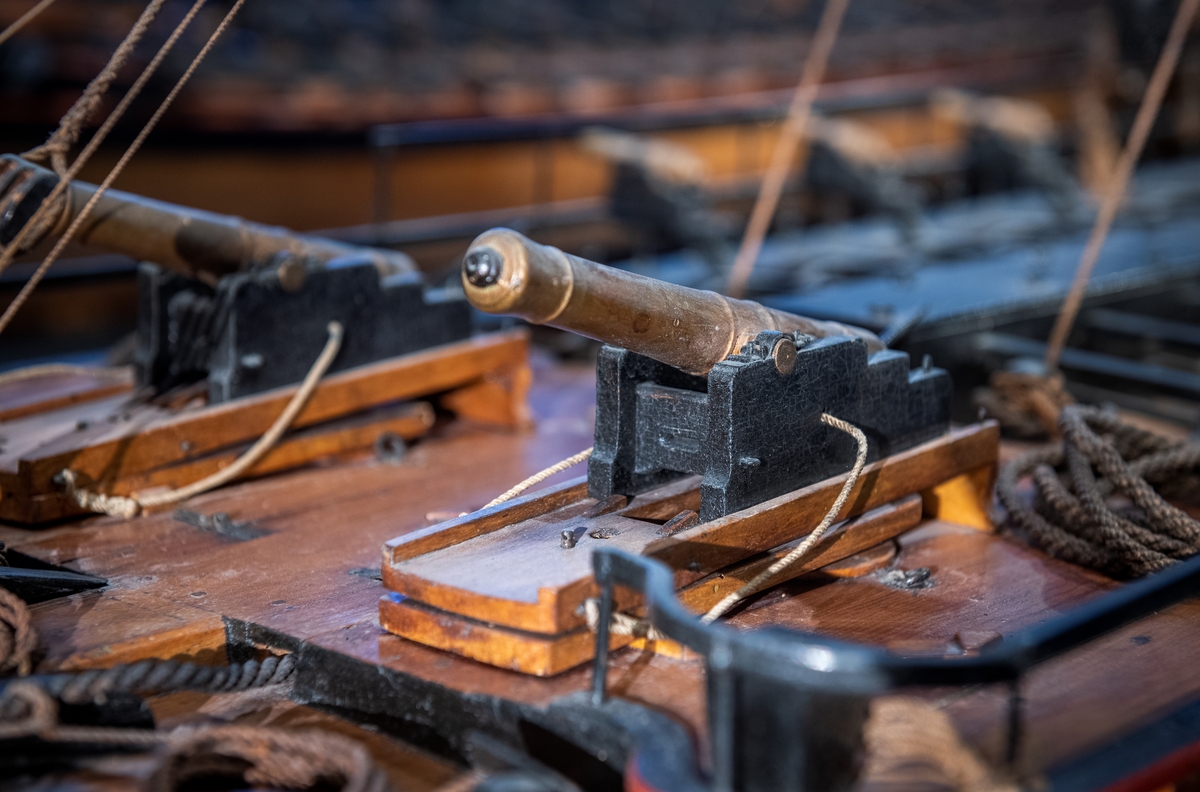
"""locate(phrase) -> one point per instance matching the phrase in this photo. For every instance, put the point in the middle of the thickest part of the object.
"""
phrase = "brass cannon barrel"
(193, 242)
(506, 273)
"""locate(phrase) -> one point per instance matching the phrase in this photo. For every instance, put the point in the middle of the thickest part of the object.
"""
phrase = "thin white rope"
(538, 478)
(810, 541)
(119, 506)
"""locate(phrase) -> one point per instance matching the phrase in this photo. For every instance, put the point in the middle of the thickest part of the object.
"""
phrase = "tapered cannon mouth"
(482, 267)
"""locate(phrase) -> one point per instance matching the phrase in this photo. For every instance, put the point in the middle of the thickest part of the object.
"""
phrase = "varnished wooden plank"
(519, 576)
(104, 452)
(547, 655)
(408, 421)
(55, 391)
(104, 628)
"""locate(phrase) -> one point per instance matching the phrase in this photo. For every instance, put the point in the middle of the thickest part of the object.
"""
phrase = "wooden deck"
(309, 583)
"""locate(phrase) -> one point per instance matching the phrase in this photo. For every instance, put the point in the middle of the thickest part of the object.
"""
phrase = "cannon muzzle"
(506, 273)
(190, 241)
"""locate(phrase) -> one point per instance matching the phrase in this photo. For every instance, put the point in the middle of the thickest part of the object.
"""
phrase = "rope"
(270, 758)
(266, 758)
(804, 547)
(17, 636)
(24, 20)
(538, 478)
(1078, 524)
(624, 624)
(23, 295)
(61, 369)
(119, 506)
(785, 147)
(621, 623)
(903, 733)
(71, 124)
(42, 219)
(152, 676)
(1117, 183)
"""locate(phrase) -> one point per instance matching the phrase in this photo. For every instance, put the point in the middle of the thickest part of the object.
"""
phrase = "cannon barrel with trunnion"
(711, 448)
(191, 242)
(232, 314)
(692, 330)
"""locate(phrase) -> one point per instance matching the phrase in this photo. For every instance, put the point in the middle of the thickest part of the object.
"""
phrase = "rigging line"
(785, 147)
(35, 224)
(125, 158)
(71, 124)
(24, 20)
(1118, 182)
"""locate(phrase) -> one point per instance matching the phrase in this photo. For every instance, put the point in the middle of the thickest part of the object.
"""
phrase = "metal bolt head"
(784, 355)
(568, 538)
(483, 267)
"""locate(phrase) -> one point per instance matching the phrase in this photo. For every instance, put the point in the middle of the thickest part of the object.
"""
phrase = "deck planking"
(306, 583)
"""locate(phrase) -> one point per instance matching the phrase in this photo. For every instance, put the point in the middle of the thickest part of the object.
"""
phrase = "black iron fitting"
(483, 267)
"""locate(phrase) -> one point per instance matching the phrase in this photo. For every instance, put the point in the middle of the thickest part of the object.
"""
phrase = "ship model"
(441, 504)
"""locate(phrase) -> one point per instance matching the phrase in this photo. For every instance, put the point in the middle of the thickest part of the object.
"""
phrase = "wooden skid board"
(505, 565)
(114, 447)
(547, 655)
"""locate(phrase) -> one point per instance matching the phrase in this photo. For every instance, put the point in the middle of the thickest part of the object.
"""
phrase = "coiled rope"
(17, 636)
(268, 757)
(1100, 457)
(128, 507)
(264, 757)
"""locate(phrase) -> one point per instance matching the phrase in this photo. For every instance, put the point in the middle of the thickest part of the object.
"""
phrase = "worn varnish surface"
(306, 582)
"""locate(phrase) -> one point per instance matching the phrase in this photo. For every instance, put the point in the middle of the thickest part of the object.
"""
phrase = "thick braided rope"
(120, 506)
(1077, 524)
(17, 636)
(804, 547)
(538, 478)
(77, 223)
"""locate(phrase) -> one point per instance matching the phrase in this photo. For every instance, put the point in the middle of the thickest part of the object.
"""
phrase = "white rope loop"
(804, 547)
(624, 624)
(119, 506)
